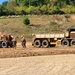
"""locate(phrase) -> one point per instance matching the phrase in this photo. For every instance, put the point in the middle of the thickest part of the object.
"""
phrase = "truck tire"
(4, 44)
(72, 43)
(65, 43)
(37, 43)
(45, 43)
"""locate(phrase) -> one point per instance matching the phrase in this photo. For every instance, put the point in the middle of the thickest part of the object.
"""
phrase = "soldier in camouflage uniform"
(14, 41)
(23, 40)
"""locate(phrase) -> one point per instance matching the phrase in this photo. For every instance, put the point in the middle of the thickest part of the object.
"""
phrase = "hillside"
(38, 24)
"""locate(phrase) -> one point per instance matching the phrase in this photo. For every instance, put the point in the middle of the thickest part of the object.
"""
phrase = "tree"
(31, 10)
(11, 7)
(4, 11)
(25, 2)
(5, 3)
(33, 2)
(43, 9)
(39, 6)
(20, 10)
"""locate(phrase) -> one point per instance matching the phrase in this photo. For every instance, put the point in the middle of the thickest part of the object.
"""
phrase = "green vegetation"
(24, 7)
(26, 21)
(49, 22)
(38, 24)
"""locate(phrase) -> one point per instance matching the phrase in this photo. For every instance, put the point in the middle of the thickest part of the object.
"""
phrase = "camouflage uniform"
(14, 41)
(23, 42)
(10, 38)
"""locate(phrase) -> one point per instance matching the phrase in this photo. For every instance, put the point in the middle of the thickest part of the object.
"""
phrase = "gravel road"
(38, 65)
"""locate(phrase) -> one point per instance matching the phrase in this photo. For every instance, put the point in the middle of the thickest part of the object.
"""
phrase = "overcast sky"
(1, 1)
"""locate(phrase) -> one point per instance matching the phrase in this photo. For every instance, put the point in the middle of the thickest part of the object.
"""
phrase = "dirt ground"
(38, 65)
(41, 61)
(31, 51)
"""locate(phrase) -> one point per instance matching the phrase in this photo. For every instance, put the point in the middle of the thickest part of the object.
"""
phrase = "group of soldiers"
(23, 42)
(11, 41)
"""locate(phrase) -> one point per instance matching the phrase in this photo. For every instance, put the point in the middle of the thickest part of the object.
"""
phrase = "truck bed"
(49, 35)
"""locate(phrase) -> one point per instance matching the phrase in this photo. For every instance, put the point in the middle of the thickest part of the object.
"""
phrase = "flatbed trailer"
(46, 40)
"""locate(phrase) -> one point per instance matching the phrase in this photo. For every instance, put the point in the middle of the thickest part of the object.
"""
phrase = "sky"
(1, 1)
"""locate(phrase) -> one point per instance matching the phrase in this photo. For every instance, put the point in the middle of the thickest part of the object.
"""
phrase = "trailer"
(51, 40)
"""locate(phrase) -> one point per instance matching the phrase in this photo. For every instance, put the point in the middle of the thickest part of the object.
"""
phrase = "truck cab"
(69, 40)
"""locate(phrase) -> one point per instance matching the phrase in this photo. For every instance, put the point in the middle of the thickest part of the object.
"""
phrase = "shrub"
(33, 10)
(43, 9)
(26, 21)
(55, 10)
(69, 9)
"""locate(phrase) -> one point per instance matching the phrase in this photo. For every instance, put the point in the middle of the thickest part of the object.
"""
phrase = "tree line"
(24, 7)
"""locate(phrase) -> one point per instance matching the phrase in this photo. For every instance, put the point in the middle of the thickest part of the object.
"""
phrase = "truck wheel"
(45, 43)
(72, 43)
(4, 44)
(65, 43)
(37, 43)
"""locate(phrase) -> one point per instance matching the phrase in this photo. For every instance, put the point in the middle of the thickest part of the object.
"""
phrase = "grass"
(39, 24)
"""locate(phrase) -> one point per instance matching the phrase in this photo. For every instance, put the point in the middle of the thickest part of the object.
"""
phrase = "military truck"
(51, 40)
(6, 41)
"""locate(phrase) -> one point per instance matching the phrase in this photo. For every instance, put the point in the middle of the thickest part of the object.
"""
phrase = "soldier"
(23, 40)
(14, 41)
(10, 40)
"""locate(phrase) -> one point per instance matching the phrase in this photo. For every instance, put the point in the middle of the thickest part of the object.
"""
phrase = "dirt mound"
(31, 51)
